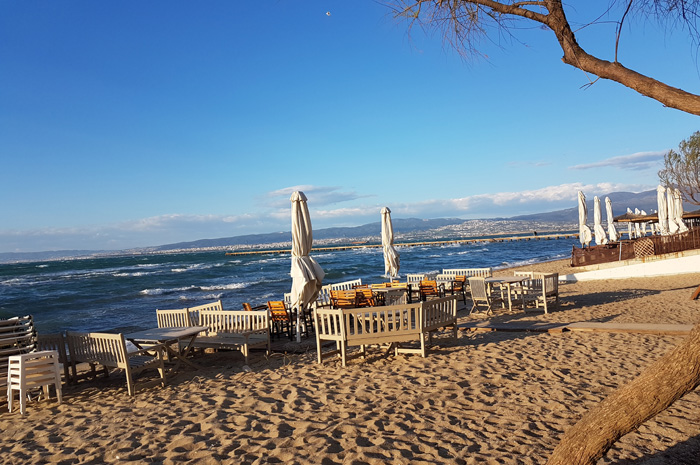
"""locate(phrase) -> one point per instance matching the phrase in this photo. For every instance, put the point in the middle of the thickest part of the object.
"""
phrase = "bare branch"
(465, 22)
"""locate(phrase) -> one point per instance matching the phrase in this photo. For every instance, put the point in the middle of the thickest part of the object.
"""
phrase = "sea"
(121, 293)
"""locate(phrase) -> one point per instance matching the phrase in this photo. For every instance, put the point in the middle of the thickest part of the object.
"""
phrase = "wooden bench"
(17, 337)
(234, 329)
(109, 350)
(57, 342)
(391, 324)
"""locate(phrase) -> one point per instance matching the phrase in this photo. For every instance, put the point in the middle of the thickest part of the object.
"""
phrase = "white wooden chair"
(542, 288)
(32, 371)
(481, 295)
(174, 318)
(194, 311)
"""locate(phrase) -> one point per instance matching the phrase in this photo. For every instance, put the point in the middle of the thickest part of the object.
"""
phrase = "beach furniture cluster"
(401, 317)
(221, 329)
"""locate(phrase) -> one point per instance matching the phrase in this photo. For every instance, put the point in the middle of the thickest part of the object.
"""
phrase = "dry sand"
(490, 397)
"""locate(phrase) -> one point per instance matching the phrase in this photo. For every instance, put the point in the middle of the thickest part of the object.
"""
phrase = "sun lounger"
(17, 337)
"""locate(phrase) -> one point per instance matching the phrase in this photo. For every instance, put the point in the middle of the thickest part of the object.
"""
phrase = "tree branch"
(463, 22)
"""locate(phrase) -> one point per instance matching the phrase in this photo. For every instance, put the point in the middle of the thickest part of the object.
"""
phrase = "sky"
(134, 124)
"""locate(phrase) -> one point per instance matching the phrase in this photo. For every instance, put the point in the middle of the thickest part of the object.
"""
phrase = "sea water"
(121, 293)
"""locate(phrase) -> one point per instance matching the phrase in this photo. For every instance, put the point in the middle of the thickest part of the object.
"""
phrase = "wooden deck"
(583, 326)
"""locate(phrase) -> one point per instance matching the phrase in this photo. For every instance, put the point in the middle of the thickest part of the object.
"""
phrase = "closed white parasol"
(600, 237)
(584, 232)
(391, 256)
(678, 211)
(673, 227)
(307, 275)
(662, 211)
(612, 231)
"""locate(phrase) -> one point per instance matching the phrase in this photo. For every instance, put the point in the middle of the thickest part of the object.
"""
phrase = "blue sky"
(128, 124)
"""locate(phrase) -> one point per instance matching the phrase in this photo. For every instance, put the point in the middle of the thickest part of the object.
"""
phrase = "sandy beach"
(489, 397)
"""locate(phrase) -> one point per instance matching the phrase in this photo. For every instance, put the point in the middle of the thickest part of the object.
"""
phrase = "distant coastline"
(467, 230)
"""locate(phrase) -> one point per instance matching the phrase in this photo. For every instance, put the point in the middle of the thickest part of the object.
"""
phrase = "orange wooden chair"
(280, 318)
(344, 299)
(366, 298)
(459, 287)
(430, 290)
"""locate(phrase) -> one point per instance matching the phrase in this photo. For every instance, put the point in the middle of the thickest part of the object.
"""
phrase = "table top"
(389, 289)
(165, 334)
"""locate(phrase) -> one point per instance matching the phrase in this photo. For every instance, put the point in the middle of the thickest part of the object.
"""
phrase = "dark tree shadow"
(684, 453)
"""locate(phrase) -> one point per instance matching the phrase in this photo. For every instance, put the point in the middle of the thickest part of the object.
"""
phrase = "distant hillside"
(371, 229)
(406, 228)
(621, 201)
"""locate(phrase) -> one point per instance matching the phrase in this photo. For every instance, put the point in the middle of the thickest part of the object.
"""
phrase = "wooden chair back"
(429, 288)
(366, 298)
(344, 298)
(174, 318)
(278, 311)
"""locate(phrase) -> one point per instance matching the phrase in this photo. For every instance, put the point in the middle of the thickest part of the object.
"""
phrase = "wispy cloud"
(635, 162)
(318, 195)
(172, 228)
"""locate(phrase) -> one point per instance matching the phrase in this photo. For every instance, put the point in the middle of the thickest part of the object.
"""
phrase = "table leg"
(181, 356)
(510, 299)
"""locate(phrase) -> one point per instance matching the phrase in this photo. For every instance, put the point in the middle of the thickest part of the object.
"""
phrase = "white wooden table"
(170, 337)
(509, 282)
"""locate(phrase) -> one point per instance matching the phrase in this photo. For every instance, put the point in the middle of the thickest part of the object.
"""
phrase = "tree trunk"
(656, 388)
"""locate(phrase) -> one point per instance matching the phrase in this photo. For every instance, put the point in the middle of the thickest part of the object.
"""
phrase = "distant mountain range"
(567, 218)
(405, 229)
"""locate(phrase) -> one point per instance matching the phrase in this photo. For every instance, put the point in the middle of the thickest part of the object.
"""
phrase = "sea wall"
(657, 265)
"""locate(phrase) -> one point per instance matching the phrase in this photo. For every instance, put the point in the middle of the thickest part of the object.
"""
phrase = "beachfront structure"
(643, 246)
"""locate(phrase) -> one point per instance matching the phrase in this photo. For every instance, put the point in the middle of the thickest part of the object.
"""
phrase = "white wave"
(196, 266)
(153, 291)
(225, 287)
(198, 297)
(264, 261)
(161, 291)
(131, 275)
